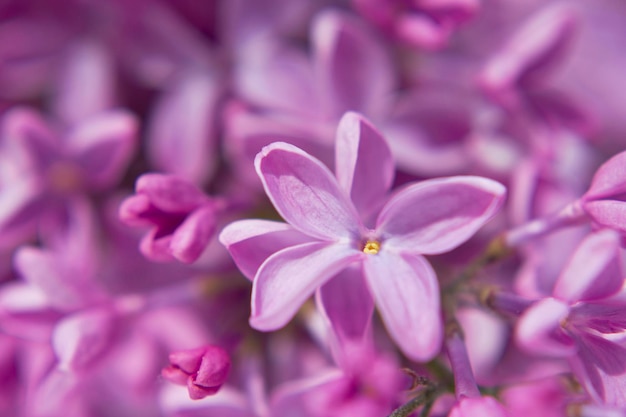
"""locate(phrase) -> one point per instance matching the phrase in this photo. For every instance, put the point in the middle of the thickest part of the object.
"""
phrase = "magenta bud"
(203, 370)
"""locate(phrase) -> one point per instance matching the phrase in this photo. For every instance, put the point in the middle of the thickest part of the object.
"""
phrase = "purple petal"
(103, 146)
(363, 163)
(608, 213)
(156, 247)
(46, 271)
(534, 49)
(275, 77)
(26, 132)
(609, 180)
(601, 367)
(406, 292)
(191, 238)
(133, 208)
(436, 216)
(81, 339)
(354, 68)
(170, 193)
(305, 193)
(347, 303)
(594, 271)
(287, 278)
(181, 131)
(251, 242)
(87, 63)
(478, 406)
(604, 316)
(539, 329)
(187, 360)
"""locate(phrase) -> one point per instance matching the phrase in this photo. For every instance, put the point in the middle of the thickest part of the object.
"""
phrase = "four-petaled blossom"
(203, 370)
(326, 234)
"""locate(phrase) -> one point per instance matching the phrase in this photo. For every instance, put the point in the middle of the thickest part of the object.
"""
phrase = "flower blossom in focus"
(336, 222)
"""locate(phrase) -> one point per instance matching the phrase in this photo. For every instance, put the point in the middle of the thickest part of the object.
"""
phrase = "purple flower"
(586, 304)
(203, 370)
(326, 234)
(182, 217)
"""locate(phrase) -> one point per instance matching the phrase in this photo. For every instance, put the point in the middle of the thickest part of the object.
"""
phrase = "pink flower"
(203, 370)
(385, 242)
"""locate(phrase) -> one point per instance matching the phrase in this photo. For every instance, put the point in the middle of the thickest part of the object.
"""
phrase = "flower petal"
(287, 278)
(191, 238)
(539, 329)
(533, 50)
(170, 193)
(354, 68)
(181, 132)
(305, 193)
(81, 339)
(608, 213)
(601, 367)
(406, 292)
(436, 216)
(103, 146)
(363, 163)
(594, 270)
(610, 179)
(251, 242)
(347, 303)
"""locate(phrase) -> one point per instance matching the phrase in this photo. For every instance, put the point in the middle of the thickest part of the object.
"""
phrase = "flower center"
(371, 247)
(65, 177)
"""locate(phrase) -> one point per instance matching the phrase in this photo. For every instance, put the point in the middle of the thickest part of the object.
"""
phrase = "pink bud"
(203, 370)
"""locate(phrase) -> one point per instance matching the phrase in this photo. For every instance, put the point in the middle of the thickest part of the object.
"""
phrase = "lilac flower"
(44, 166)
(182, 217)
(586, 304)
(203, 370)
(322, 210)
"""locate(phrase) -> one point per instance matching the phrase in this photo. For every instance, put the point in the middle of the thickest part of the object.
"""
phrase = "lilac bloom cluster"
(312, 208)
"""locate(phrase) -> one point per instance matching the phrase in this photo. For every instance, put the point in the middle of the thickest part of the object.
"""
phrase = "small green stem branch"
(425, 397)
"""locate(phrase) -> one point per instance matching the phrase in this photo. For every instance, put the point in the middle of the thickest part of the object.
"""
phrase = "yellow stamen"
(371, 247)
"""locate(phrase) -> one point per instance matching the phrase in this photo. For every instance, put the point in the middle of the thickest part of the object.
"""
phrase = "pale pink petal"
(251, 242)
(363, 163)
(609, 180)
(608, 213)
(306, 194)
(287, 278)
(354, 68)
(406, 293)
(81, 339)
(539, 329)
(347, 303)
(103, 146)
(594, 270)
(170, 193)
(436, 216)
